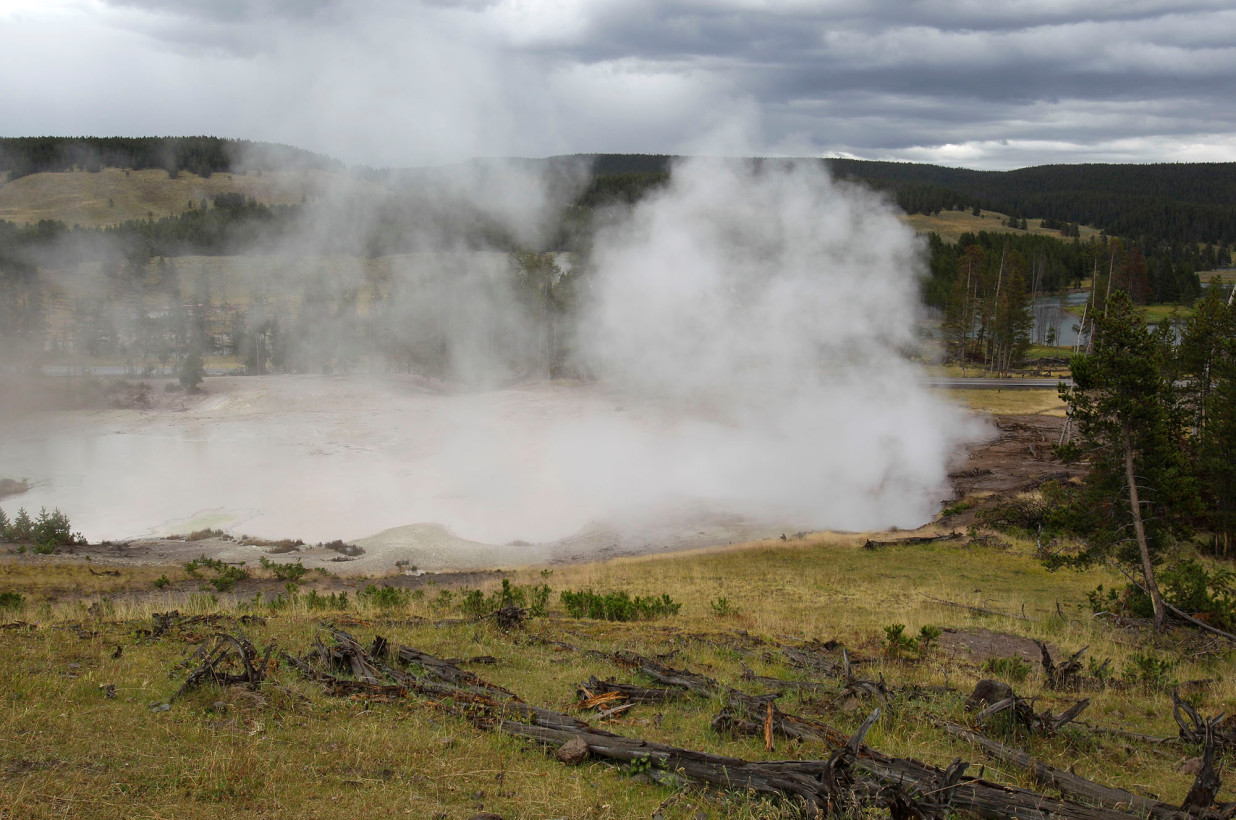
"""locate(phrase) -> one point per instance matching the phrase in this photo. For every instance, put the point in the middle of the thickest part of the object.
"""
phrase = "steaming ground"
(406, 469)
(744, 330)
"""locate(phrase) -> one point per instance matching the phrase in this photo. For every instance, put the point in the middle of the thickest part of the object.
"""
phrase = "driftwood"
(1196, 731)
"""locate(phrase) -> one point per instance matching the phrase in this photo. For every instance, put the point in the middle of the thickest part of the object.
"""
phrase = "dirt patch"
(1019, 459)
(983, 644)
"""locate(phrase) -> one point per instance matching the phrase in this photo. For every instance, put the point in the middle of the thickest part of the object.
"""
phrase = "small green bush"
(1150, 671)
(292, 573)
(617, 606)
(723, 608)
(896, 642)
(226, 576)
(11, 600)
(384, 597)
(1009, 670)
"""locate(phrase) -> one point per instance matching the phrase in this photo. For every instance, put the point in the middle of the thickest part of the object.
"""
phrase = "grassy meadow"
(68, 749)
(115, 195)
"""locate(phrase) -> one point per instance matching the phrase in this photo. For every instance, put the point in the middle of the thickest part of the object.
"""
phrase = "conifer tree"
(1130, 420)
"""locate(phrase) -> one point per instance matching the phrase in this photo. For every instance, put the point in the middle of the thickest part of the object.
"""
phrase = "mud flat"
(403, 467)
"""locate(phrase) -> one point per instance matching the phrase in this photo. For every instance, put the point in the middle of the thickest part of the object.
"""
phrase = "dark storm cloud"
(960, 82)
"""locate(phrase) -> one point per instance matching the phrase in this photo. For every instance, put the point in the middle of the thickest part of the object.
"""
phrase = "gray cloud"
(959, 82)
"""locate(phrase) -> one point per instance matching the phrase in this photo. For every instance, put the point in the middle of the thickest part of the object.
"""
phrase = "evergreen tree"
(1207, 358)
(1140, 492)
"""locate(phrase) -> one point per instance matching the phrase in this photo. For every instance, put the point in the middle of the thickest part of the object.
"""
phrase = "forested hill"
(1167, 202)
(21, 156)
(1150, 205)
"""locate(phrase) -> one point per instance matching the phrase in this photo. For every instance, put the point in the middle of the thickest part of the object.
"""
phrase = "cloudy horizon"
(384, 83)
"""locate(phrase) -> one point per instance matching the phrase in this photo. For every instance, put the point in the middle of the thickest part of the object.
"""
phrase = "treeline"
(21, 156)
(1177, 203)
(1158, 274)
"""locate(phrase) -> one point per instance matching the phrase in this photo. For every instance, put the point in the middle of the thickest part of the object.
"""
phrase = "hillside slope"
(112, 195)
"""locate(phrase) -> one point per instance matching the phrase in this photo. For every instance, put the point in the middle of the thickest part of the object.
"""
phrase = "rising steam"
(739, 353)
(764, 310)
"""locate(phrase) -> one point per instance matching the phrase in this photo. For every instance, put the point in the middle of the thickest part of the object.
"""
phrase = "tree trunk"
(1135, 507)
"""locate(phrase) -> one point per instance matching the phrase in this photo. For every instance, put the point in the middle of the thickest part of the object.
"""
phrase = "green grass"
(294, 750)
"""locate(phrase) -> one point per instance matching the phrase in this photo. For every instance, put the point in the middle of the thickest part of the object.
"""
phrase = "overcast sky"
(980, 84)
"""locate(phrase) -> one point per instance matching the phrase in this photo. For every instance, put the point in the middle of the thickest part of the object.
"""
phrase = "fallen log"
(853, 776)
(1067, 783)
(229, 653)
(869, 544)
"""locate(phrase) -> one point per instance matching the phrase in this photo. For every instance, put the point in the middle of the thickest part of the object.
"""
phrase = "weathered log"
(629, 692)
(1067, 783)
(906, 788)
(1064, 675)
(1206, 785)
(911, 541)
(229, 651)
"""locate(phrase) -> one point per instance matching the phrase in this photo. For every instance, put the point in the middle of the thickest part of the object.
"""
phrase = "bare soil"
(1019, 459)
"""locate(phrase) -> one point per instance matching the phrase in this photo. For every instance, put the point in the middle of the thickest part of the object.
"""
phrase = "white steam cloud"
(766, 310)
(740, 340)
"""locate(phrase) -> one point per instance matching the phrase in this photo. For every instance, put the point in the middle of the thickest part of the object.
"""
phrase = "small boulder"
(573, 752)
(987, 692)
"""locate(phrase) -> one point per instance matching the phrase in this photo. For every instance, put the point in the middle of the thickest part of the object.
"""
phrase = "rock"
(987, 692)
(1191, 766)
(573, 752)
(486, 815)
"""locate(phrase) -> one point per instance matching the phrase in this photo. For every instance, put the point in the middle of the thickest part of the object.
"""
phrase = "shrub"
(1189, 586)
(226, 576)
(292, 573)
(1150, 671)
(1010, 670)
(927, 636)
(383, 597)
(311, 601)
(896, 642)
(202, 535)
(723, 608)
(617, 606)
(11, 600)
(161, 582)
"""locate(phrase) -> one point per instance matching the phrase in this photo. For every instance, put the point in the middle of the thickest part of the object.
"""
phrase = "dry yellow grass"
(293, 750)
(1011, 402)
(113, 195)
(950, 225)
